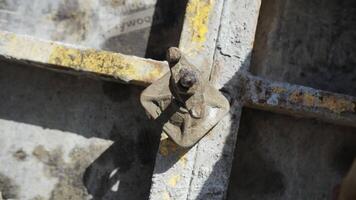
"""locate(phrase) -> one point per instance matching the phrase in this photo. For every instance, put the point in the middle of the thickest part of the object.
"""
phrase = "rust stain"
(168, 147)
(332, 103)
(338, 105)
(199, 12)
(279, 90)
(310, 100)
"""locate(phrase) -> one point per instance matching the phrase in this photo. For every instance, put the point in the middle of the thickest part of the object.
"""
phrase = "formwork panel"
(279, 157)
(310, 43)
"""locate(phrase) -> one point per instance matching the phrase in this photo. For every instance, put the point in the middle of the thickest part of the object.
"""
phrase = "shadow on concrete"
(124, 170)
(275, 154)
(94, 108)
(281, 157)
(152, 42)
(167, 29)
(116, 167)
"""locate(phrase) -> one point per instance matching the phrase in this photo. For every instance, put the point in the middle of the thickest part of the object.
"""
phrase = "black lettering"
(131, 23)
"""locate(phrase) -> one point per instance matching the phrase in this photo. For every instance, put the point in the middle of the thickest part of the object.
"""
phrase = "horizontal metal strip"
(299, 101)
(59, 56)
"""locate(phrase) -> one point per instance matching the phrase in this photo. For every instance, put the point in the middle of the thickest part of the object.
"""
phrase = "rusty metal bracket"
(186, 104)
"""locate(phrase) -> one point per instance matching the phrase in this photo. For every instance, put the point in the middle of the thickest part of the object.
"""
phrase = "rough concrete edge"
(174, 166)
(203, 172)
(215, 152)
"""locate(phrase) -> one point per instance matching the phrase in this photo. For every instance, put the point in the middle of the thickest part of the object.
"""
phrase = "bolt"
(173, 55)
(187, 78)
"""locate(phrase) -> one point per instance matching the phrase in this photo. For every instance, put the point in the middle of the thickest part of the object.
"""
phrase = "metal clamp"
(186, 105)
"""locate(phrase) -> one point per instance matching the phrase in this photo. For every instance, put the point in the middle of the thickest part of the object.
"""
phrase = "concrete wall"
(68, 137)
(65, 137)
(308, 42)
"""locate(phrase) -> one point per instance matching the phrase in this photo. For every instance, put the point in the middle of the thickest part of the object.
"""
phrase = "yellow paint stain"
(100, 62)
(166, 196)
(106, 63)
(173, 180)
(183, 161)
(126, 68)
(337, 105)
(199, 13)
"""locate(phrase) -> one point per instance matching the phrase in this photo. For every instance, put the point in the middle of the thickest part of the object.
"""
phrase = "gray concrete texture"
(116, 25)
(68, 137)
(65, 137)
(311, 43)
(277, 157)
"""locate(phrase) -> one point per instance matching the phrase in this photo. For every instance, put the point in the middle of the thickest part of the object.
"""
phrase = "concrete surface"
(113, 25)
(64, 137)
(69, 137)
(278, 157)
(308, 42)
(177, 174)
(287, 158)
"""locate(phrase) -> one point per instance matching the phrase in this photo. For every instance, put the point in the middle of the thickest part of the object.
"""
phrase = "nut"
(187, 78)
